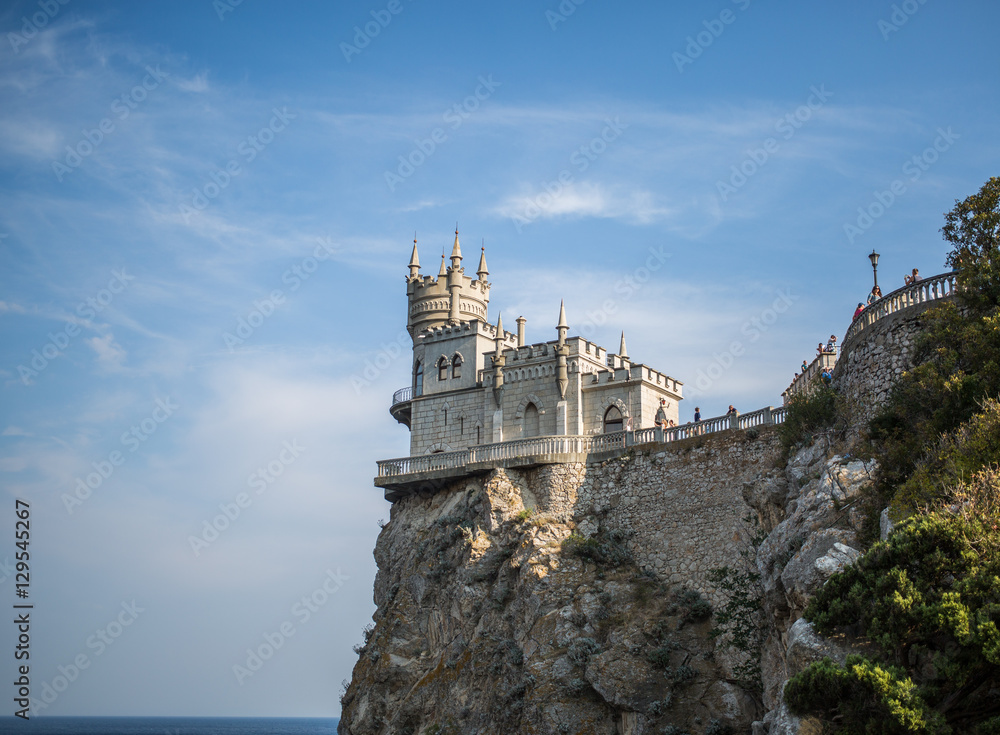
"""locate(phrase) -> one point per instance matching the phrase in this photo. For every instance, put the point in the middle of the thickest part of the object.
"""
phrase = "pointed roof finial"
(456, 251)
(622, 350)
(444, 268)
(562, 316)
(414, 258)
(482, 272)
(499, 325)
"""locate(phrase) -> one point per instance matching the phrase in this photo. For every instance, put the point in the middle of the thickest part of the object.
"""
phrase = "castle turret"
(622, 349)
(450, 298)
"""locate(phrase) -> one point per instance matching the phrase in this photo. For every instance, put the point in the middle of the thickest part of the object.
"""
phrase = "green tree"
(957, 358)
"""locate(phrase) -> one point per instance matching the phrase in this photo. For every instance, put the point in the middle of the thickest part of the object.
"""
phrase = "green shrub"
(606, 549)
(862, 697)
(807, 415)
(929, 598)
(582, 649)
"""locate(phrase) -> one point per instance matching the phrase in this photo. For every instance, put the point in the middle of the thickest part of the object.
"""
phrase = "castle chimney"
(520, 331)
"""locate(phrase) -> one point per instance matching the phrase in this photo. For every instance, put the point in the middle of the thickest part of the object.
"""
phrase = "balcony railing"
(928, 289)
(553, 446)
(402, 395)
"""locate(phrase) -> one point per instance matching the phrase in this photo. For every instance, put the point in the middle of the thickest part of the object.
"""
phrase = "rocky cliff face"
(576, 598)
(810, 512)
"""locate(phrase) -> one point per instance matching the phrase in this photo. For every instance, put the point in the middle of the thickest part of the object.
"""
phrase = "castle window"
(461, 425)
(443, 368)
(418, 380)
(530, 427)
(612, 420)
(478, 434)
(456, 367)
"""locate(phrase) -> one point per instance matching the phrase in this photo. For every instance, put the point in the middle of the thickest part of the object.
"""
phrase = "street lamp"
(874, 259)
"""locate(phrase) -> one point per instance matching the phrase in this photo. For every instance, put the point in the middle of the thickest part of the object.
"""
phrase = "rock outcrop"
(811, 514)
(578, 599)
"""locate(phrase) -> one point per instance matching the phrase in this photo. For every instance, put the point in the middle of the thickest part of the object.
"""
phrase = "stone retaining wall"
(872, 361)
(682, 504)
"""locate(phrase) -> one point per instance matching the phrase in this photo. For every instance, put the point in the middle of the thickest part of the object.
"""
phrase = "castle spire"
(622, 350)
(500, 334)
(414, 259)
(456, 252)
(444, 268)
(562, 327)
(482, 272)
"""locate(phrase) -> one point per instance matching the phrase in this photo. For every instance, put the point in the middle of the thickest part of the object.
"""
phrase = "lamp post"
(874, 259)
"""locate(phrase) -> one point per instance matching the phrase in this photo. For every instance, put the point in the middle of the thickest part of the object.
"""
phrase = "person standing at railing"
(875, 295)
(857, 312)
(831, 345)
(805, 366)
(913, 278)
(661, 415)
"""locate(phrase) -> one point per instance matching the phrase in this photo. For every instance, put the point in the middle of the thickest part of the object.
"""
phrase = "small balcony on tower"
(402, 402)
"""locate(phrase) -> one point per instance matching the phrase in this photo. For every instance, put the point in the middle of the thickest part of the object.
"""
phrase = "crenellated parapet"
(448, 298)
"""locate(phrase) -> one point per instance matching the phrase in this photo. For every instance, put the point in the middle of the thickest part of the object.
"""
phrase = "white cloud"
(110, 354)
(197, 83)
(585, 199)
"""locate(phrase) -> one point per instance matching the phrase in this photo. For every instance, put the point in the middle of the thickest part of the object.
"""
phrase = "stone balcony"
(406, 475)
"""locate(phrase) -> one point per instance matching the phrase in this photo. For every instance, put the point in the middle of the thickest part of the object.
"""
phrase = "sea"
(169, 726)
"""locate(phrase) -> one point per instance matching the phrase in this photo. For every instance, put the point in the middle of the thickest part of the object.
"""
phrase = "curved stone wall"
(873, 360)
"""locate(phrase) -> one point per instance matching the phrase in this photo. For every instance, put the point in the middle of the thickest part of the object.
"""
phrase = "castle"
(474, 383)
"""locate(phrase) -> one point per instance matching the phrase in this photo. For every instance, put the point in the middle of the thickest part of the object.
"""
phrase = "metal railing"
(928, 289)
(542, 446)
(402, 395)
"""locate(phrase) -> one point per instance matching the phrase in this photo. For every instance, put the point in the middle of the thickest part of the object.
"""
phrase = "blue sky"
(707, 178)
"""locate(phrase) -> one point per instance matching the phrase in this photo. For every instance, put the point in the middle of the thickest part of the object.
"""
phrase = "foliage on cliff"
(928, 598)
(957, 362)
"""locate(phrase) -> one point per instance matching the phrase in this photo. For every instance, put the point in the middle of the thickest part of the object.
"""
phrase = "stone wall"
(681, 503)
(872, 360)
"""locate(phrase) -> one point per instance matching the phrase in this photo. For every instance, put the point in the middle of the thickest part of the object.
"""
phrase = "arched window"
(443, 368)
(418, 379)
(612, 420)
(530, 420)
(456, 366)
